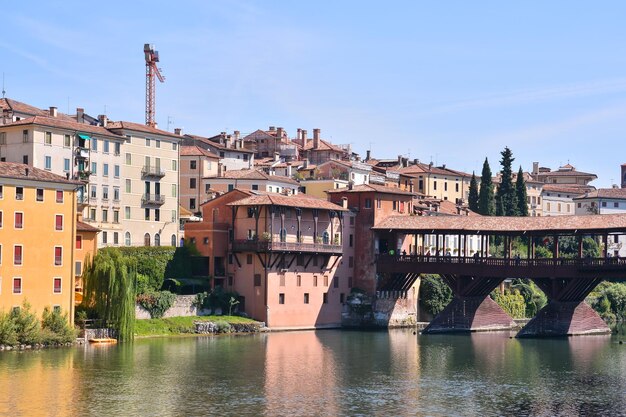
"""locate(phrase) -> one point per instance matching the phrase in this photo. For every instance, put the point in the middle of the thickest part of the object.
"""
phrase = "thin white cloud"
(526, 96)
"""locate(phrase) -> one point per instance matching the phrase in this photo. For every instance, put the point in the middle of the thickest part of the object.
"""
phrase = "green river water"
(321, 373)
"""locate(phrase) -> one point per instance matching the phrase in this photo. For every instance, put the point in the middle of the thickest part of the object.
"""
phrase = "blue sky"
(453, 82)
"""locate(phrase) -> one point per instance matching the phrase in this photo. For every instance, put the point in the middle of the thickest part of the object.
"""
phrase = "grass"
(179, 325)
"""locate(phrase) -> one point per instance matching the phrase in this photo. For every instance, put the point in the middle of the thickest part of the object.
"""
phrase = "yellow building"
(436, 182)
(318, 188)
(37, 238)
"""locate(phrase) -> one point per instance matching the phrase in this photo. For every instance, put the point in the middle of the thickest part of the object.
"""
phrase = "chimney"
(299, 134)
(276, 157)
(316, 138)
(344, 202)
(279, 133)
(227, 142)
(53, 111)
(400, 160)
(411, 185)
(26, 171)
(178, 131)
(430, 165)
(405, 162)
(80, 114)
(623, 175)
(443, 166)
(103, 120)
(416, 161)
(535, 168)
(272, 128)
(236, 134)
(350, 185)
(305, 165)
(304, 137)
(368, 155)
(289, 169)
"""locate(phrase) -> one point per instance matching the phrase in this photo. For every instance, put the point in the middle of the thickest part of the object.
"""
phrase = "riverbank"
(189, 325)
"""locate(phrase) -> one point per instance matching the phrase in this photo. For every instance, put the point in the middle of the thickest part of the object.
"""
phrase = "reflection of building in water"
(38, 384)
(300, 373)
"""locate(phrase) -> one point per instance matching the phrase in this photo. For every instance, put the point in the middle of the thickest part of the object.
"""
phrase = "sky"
(452, 82)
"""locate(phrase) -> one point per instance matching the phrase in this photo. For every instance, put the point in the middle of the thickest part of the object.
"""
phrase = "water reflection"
(325, 373)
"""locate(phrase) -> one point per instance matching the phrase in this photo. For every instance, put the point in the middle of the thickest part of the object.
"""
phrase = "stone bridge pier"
(567, 313)
(471, 308)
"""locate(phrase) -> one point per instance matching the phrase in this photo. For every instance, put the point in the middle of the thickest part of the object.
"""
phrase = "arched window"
(157, 240)
(283, 235)
(127, 238)
(146, 239)
(325, 238)
(173, 240)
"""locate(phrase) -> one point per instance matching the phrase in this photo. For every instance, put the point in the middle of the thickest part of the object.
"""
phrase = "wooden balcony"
(291, 247)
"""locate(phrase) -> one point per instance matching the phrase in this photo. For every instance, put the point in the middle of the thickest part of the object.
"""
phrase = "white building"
(605, 201)
(558, 200)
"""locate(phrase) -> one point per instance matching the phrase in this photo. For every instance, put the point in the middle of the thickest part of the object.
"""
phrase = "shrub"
(222, 327)
(56, 327)
(156, 302)
(512, 303)
(434, 294)
(27, 325)
(8, 333)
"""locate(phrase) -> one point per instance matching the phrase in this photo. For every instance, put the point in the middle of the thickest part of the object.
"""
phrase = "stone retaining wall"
(183, 307)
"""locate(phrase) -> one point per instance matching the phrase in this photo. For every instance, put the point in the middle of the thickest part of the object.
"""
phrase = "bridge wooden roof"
(562, 225)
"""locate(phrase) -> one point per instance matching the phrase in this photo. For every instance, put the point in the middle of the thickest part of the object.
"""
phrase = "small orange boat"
(103, 340)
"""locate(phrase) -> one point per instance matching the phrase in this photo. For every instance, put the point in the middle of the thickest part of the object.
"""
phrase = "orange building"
(37, 238)
(85, 248)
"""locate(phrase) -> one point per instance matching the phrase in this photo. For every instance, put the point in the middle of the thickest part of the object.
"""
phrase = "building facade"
(195, 164)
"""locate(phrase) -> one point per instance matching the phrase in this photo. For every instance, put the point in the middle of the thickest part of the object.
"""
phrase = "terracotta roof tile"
(615, 193)
(256, 174)
(18, 171)
(65, 124)
(565, 188)
(215, 144)
(138, 127)
(482, 224)
(84, 227)
(368, 188)
(288, 201)
(196, 151)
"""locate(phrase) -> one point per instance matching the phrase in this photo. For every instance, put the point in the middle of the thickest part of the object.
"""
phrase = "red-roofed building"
(318, 150)
(196, 163)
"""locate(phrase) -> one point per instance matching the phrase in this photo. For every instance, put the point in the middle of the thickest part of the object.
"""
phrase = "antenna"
(169, 122)
(3, 91)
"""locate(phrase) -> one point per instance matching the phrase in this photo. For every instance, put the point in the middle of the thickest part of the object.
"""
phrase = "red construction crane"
(152, 57)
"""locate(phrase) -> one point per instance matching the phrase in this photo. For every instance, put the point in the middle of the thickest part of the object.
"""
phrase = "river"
(323, 373)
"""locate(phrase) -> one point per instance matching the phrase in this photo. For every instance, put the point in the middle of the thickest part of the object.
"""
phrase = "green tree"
(522, 197)
(486, 199)
(473, 194)
(110, 290)
(434, 294)
(506, 198)
(181, 266)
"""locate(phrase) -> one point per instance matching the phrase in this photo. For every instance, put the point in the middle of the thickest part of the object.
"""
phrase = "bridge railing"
(507, 262)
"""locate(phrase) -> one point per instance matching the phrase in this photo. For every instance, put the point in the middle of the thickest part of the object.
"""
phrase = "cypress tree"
(520, 190)
(473, 194)
(506, 197)
(486, 200)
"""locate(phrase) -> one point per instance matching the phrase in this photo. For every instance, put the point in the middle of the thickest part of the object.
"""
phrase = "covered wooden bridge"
(457, 248)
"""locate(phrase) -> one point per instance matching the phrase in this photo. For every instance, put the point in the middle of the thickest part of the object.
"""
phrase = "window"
(117, 148)
(315, 280)
(174, 220)
(24, 136)
(105, 147)
(445, 186)
(48, 138)
(174, 165)
(325, 298)
(257, 280)
(157, 143)
(604, 204)
(116, 193)
(1, 191)
(3, 138)
(57, 285)
(105, 192)
(342, 297)
(306, 298)
(39, 194)
(351, 238)
(105, 216)
(174, 147)
(127, 238)
(128, 159)
(368, 203)
(148, 142)
(221, 154)
(92, 214)
(0, 221)
(281, 298)
(17, 286)
(192, 164)
(92, 191)
(18, 254)
(94, 144)
(94, 168)
(336, 282)
(456, 187)
(173, 190)
(157, 239)
(616, 204)
(255, 187)
(66, 164)
(48, 163)
(58, 222)
(157, 215)
(19, 193)
(350, 282)
(128, 187)
(249, 259)
(105, 237)
(232, 187)
(192, 203)
(146, 214)
(105, 170)
(299, 280)
(78, 268)
(19, 220)
(58, 255)
(79, 242)
(116, 171)
(25, 159)
(192, 183)
(352, 217)
(326, 280)
(146, 239)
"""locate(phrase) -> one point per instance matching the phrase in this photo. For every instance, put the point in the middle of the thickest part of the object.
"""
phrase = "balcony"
(293, 247)
(156, 199)
(152, 171)
(81, 153)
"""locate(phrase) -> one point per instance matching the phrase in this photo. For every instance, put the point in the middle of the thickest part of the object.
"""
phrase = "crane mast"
(152, 73)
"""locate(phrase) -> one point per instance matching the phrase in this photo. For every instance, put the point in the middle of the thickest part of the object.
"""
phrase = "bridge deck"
(607, 268)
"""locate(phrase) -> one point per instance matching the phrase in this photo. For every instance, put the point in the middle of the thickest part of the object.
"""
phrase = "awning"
(83, 136)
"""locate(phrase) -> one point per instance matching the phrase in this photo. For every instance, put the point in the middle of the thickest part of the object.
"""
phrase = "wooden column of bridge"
(565, 281)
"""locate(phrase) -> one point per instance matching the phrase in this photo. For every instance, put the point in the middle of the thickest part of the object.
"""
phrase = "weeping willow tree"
(109, 283)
